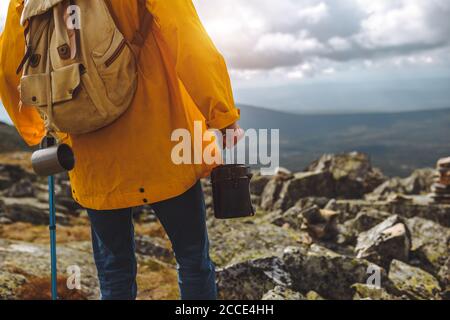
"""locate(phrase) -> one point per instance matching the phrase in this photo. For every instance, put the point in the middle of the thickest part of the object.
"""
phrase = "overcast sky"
(303, 38)
(293, 43)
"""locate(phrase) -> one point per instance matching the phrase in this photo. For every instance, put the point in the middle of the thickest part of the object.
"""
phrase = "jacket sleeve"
(27, 120)
(199, 65)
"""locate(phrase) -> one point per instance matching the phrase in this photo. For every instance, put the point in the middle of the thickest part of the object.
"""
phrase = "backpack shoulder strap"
(145, 22)
(111, 12)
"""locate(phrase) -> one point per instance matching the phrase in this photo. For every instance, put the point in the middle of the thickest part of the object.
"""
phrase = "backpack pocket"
(64, 81)
(33, 90)
(117, 69)
(73, 110)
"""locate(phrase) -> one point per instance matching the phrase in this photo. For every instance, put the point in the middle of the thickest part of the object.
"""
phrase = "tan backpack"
(78, 70)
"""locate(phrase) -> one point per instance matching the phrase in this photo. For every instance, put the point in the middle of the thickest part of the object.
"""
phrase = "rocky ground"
(338, 230)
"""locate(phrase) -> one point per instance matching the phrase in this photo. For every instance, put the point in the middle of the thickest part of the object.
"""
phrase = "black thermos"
(231, 191)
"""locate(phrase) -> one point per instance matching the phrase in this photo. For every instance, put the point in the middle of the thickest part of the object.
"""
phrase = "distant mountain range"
(360, 93)
(10, 139)
(396, 142)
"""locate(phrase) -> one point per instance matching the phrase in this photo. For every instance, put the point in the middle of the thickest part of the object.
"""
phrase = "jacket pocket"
(117, 69)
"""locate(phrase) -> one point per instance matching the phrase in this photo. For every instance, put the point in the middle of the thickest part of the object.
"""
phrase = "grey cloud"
(347, 20)
(393, 28)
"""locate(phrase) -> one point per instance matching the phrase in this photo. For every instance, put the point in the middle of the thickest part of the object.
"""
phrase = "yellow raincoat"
(182, 79)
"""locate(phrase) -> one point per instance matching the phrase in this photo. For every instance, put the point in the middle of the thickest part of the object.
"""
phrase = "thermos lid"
(230, 172)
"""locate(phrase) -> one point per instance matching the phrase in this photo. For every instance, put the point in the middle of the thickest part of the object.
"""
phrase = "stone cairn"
(441, 187)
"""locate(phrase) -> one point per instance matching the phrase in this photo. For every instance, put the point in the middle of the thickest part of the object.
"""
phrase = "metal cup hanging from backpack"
(52, 158)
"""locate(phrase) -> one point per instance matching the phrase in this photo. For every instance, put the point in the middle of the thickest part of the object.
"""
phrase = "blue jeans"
(184, 220)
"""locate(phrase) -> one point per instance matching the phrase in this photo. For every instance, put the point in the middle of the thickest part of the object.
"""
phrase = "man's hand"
(232, 135)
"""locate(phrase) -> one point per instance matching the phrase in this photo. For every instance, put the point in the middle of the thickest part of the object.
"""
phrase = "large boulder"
(430, 243)
(352, 172)
(386, 241)
(327, 272)
(419, 182)
(303, 185)
(332, 176)
(234, 241)
(413, 282)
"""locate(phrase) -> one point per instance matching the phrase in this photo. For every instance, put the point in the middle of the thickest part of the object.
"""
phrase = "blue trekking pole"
(52, 227)
(48, 161)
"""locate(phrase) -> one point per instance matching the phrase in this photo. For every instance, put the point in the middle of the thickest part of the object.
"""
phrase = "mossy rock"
(370, 292)
(10, 284)
(414, 282)
(234, 241)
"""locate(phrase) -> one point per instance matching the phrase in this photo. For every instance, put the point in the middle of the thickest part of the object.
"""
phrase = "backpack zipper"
(116, 53)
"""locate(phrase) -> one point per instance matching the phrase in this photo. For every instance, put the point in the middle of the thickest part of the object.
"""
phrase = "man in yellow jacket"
(182, 79)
